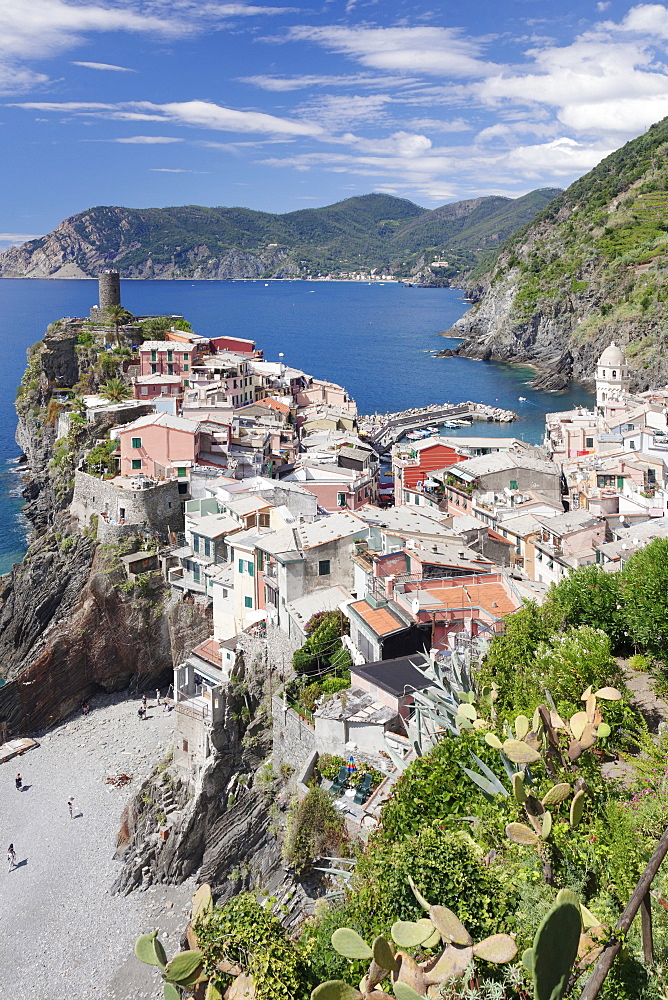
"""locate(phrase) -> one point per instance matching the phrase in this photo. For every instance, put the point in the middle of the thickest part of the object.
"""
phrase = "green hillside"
(591, 267)
(370, 231)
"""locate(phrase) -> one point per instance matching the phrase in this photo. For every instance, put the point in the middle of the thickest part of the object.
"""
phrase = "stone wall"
(294, 739)
(158, 507)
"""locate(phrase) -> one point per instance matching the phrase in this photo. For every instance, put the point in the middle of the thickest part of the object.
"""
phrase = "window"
(614, 374)
(260, 560)
(248, 602)
(185, 358)
(207, 547)
(154, 355)
(513, 484)
(144, 390)
(620, 482)
(186, 368)
(251, 569)
(195, 543)
(323, 567)
(416, 500)
(170, 369)
(186, 383)
(181, 471)
(170, 355)
(241, 565)
(184, 746)
(196, 572)
(154, 369)
(136, 442)
(136, 463)
(632, 445)
(264, 520)
(340, 500)
(589, 442)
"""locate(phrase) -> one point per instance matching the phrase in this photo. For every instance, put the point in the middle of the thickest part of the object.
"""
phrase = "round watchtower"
(109, 285)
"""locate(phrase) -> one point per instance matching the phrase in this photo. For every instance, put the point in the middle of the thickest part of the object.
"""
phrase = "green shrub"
(434, 787)
(247, 933)
(644, 590)
(315, 827)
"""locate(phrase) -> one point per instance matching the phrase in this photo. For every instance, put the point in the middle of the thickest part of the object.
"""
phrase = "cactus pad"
(518, 788)
(521, 834)
(411, 934)
(184, 966)
(383, 955)
(498, 948)
(608, 694)
(493, 741)
(335, 989)
(403, 991)
(521, 726)
(553, 796)
(149, 950)
(546, 828)
(555, 949)
(577, 808)
(603, 731)
(520, 753)
(349, 944)
(451, 964)
(449, 925)
(527, 960)
(170, 992)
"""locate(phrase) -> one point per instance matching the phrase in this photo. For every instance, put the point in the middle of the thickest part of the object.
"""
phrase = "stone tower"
(612, 375)
(109, 284)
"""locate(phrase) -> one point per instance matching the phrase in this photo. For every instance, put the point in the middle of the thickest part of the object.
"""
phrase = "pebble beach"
(64, 935)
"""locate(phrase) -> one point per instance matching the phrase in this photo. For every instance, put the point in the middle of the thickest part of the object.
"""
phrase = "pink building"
(159, 446)
(163, 357)
(150, 386)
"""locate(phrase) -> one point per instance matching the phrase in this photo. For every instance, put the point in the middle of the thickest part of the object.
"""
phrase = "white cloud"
(8, 240)
(41, 29)
(433, 50)
(147, 140)
(175, 170)
(104, 66)
(337, 111)
(284, 84)
(202, 114)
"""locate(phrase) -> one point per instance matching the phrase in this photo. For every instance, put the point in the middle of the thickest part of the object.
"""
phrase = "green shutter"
(136, 463)
(241, 565)
(513, 484)
(181, 471)
(136, 442)
(251, 569)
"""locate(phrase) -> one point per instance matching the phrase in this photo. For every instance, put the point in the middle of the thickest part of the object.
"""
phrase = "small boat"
(522, 399)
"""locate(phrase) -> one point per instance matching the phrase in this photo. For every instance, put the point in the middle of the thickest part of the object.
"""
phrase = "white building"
(612, 376)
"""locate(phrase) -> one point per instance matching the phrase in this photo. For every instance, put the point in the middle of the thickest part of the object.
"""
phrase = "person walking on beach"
(11, 857)
(70, 806)
(18, 781)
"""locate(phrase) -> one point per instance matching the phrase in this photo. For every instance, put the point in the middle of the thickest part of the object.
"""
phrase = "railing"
(640, 900)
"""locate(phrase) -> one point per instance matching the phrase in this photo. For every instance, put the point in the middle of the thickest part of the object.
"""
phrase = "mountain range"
(591, 268)
(369, 231)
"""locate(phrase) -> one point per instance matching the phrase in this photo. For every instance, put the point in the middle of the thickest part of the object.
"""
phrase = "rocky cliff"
(70, 621)
(590, 269)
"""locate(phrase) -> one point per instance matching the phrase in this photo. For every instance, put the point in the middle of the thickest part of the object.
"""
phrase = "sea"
(376, 339)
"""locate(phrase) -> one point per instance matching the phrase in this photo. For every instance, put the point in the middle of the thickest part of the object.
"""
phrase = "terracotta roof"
(273, 404)
(493, 597)
(381, 620)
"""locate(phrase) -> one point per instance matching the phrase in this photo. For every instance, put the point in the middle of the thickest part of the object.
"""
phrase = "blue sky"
(151, 103)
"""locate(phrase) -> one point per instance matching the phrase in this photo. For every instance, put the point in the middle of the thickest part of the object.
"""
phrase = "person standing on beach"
(70, 806)
(157, 695)
(11, 857)
(18, 781)
(144, 702)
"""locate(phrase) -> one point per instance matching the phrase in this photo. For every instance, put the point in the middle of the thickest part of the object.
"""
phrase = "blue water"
(373, 339)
